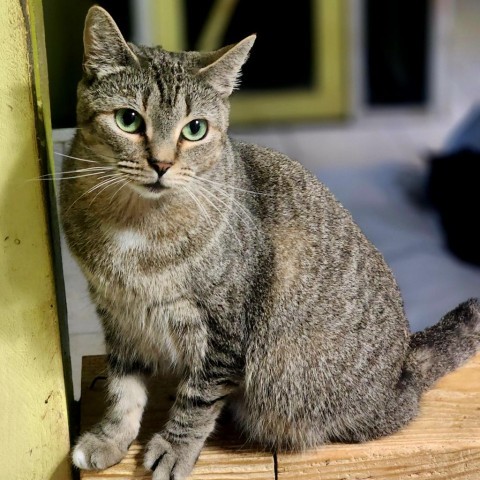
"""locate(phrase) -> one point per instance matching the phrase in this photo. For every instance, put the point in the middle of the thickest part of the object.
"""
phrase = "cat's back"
(289, 194)
(332, 317)
(325, 267)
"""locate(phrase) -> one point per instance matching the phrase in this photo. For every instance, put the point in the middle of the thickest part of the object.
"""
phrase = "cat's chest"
(132, 262)
(150, 306)
(161, 333)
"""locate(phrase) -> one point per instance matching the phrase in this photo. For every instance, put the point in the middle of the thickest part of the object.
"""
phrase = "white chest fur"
(151, 309)
(128, 240)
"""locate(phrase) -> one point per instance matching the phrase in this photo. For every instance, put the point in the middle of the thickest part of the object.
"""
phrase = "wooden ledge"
(442, 443)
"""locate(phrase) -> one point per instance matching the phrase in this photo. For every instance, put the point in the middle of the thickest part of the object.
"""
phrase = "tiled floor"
(374, 140)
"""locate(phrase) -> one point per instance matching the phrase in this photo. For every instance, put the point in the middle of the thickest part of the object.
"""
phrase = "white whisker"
(125, 182)
(88, 169)
(107, 183)
(52, 177)
(201, 207)
(202, 179)
(237, 203)
(75, 158)
(100, 172)
(245, 218)
(109, 175)
(90, 190)
(225, 218)
(80, 170)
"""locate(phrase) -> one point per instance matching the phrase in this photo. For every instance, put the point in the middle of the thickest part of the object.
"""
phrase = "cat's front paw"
(94, 452)
(169, 461)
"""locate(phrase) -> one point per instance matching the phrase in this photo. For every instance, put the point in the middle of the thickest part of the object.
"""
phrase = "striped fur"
(239, 271)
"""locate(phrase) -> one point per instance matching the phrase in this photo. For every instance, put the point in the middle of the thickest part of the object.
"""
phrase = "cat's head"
(160, 117)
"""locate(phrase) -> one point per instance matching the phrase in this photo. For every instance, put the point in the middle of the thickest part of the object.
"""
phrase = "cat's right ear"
(222, 67)
(105, 49)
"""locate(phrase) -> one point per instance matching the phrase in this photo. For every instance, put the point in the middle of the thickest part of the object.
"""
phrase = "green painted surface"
(33, 414)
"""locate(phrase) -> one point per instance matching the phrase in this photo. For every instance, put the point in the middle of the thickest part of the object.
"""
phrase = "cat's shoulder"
(254, 152)
(276, 166)
(268, 158)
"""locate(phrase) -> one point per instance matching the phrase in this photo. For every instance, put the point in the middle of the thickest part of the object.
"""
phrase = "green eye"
(129, 120)
(195, 130)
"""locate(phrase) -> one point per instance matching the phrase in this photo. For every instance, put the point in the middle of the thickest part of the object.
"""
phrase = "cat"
(231, 265)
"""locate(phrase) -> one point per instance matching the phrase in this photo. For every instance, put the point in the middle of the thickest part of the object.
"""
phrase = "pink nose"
(160, 167)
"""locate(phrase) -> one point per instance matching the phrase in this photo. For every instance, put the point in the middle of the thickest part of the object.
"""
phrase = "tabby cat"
(230, 265)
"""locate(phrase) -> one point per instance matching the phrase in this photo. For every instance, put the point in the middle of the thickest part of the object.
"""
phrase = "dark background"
(396, 56)
(397, 36)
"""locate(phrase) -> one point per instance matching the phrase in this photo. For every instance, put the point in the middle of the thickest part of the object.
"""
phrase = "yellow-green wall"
(33, 415)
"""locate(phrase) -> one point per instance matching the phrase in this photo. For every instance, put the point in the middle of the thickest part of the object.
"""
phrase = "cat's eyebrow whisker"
(201, 207)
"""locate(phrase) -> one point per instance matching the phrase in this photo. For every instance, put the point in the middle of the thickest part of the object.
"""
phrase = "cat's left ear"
(222, 68)
(105, 49)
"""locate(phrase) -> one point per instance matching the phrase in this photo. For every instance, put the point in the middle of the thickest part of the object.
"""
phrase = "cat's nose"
(159, 166)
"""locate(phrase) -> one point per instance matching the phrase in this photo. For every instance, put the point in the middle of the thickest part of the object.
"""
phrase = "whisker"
(54, 178)
(201, 207)
(107, 180)
(202, 179)
(230, 207)
(75, 158)
(80, 170)
(224, 217)
(103, 186)
(125, 182)
(107, 183)
(90, 190)
(238, 204)
(109, 175)
(99, 185)
(87, 169)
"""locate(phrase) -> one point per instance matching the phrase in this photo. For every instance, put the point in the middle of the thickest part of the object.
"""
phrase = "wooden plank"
(442, 443)
(34, 433)
(225, 457)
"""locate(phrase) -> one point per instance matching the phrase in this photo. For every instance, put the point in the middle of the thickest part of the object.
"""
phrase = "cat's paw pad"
(161, 458)
(94, 453)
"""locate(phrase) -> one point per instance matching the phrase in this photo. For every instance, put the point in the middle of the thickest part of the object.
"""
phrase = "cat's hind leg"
(108, 441)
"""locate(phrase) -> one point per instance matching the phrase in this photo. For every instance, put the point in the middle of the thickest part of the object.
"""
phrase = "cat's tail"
(442, 348)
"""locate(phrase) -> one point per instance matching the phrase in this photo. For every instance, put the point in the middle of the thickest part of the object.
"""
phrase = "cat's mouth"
(154, 187)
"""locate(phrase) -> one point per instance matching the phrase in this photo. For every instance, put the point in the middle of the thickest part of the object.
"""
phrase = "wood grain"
(443, 443)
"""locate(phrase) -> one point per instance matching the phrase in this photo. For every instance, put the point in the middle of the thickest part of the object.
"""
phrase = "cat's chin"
(151, 190)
